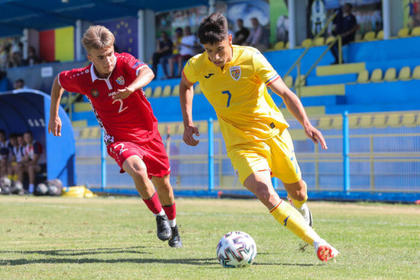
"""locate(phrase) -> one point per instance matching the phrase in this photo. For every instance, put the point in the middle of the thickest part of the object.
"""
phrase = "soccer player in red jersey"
(113, 84)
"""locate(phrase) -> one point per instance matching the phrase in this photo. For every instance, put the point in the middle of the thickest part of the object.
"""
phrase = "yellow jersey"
(238, 93)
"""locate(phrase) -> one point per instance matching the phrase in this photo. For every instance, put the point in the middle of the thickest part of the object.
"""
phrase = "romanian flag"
(57, 44)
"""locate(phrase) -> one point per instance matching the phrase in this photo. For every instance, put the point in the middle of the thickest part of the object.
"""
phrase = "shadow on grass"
(15, 262)
(80, 252)
(95, 251)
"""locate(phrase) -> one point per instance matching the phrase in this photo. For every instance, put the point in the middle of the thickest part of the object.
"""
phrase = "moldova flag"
(57, 44)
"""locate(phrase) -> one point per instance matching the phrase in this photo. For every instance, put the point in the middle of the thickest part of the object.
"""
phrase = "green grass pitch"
(115, 238)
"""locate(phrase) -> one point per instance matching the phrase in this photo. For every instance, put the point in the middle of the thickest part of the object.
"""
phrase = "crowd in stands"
(170, 53)
(21, 159)
(11, 55)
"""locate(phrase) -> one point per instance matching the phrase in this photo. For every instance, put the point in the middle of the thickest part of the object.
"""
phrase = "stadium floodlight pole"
(346, 160)
(211, 155)
(103, 161)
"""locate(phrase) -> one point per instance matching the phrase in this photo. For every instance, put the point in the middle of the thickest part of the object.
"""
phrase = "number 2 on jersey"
(229, 96)
(122, 108)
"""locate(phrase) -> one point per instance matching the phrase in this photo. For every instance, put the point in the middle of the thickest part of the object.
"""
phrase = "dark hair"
(213, 29)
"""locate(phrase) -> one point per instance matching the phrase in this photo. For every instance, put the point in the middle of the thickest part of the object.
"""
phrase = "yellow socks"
(289, 217)
(298, 204)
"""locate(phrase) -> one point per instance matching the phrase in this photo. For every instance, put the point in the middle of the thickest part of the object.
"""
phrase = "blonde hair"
(97, 37)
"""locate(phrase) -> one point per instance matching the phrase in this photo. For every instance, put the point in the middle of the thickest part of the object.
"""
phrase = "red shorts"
(152, 153)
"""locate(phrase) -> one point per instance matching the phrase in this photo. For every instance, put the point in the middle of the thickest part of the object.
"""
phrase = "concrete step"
(340, 69)
(336, 89)
(79, 123)
(313, 80)
(311, 111)
(81, 107)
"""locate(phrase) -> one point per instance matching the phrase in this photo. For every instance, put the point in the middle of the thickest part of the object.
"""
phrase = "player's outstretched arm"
(54, 124)
(144, 77)
(186, 94)
(294, 105)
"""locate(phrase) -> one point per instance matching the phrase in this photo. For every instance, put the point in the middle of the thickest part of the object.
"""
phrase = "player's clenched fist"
(189, 132)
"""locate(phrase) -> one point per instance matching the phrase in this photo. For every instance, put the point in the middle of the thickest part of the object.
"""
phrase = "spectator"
(32, 57)
(257, 38)
(33, 160)
(188, 48)
(242, 34)
(4, 56)
(16, 59)
(4, 151)
(175, 54)
(4, 81)
(345, 27)
(19, 84)
(16, 152)
(163, 53)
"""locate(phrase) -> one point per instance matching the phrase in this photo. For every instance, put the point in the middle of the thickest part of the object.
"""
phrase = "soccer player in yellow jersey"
(234, 79)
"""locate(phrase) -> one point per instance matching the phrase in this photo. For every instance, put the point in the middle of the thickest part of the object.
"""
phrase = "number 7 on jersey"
(229, 97)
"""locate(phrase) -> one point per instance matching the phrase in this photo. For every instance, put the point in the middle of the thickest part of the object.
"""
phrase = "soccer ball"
(236, 249)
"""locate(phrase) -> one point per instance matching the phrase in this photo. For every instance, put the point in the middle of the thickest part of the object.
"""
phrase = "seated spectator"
(16, 58)
(4, 81)
(163, 53)
(175, 52)
(32, 57)
(242, 34)
(4, 152)
(19, 84)
(33, 160)
(188, 48)
(258, 38)
(4, 56)
(16, 154)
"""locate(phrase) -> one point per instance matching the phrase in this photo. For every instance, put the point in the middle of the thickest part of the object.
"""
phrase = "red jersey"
(129, 119)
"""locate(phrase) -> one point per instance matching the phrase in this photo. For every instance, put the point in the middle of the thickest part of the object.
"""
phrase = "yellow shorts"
(275, 154)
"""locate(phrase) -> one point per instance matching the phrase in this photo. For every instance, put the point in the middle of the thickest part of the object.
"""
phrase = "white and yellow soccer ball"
(236, 249)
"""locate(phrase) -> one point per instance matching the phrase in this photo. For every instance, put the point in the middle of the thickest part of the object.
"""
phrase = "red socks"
(170, 211)
(153, 204)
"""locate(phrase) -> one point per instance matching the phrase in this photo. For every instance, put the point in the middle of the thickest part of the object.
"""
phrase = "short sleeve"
(68, 81)
(263, 69)
(189, 72)
(131, 64)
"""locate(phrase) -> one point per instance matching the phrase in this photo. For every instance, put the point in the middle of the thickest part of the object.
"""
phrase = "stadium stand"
(320, 41)
(279, 45)
(415, 31)
(307, 43)
(405, 74)
(404, 32)
(390, 75)
(376, 75)
(369, 36)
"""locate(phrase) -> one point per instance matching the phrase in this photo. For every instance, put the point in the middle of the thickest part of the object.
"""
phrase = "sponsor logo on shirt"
(209, 75)
(120, 80)
(235, 72)
(94, 92)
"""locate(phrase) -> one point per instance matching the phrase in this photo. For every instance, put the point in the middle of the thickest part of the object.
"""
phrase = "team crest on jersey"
(235, 72)
(120, 80)
(94, 92)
